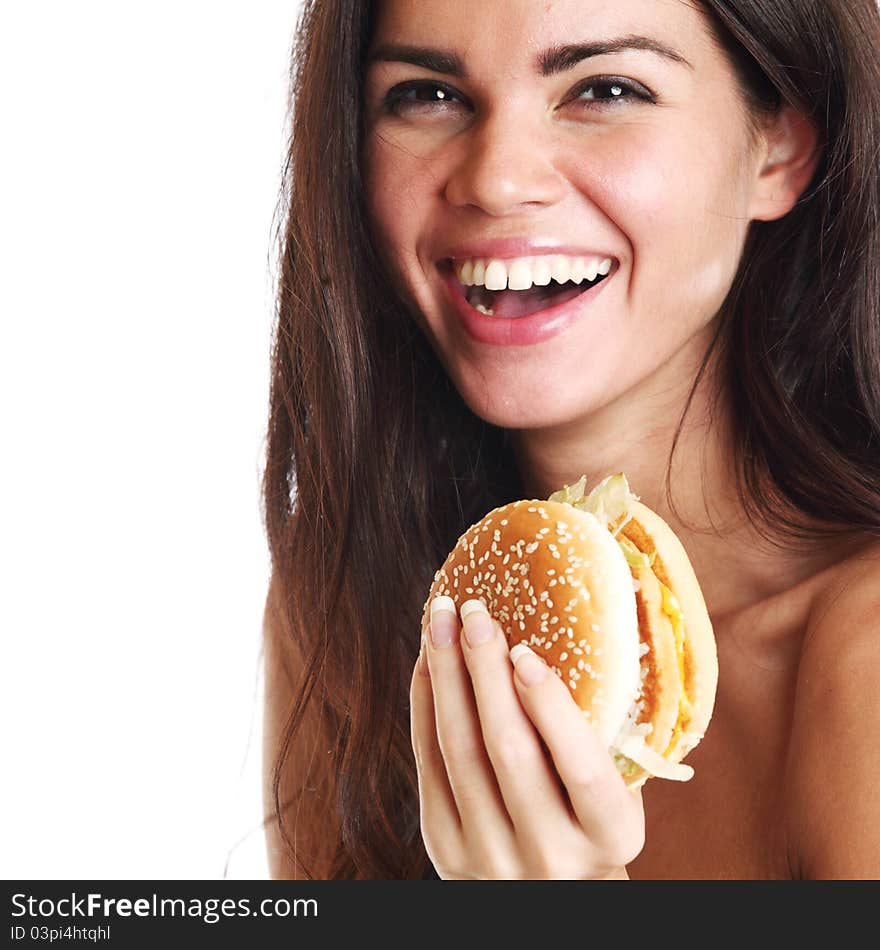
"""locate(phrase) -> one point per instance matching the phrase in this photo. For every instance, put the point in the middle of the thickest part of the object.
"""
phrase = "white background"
(139, 175)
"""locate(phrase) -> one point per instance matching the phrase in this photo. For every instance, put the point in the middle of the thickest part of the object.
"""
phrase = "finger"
(439, 815)
(474, 787)
(601, 801)
(528, 782)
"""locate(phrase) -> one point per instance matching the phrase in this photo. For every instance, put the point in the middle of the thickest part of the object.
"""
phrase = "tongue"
(521, 303)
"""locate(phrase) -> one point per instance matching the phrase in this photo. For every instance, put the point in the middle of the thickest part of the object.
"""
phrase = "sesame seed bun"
(555, 579)
(629, 635)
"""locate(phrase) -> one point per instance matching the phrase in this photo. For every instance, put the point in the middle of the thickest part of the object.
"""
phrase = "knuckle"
(562, 864)
(585, 778)
(547, 866)
(463, 755)
(509, 754)
(426, 756)
(496, 867)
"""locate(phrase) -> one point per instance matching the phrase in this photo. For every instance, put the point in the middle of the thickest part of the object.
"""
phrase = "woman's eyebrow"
(556, 59)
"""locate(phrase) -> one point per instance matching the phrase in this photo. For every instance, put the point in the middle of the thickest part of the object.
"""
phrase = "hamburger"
(600, 587)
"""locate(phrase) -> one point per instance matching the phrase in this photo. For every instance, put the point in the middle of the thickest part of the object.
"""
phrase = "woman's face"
(634, 147)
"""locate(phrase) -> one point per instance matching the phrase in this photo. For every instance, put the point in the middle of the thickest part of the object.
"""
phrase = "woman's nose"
(507, 164)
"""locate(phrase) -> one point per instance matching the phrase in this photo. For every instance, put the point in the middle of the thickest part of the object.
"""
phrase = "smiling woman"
(639, 237)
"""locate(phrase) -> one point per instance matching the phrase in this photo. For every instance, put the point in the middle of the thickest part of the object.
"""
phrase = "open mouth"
(512, 304)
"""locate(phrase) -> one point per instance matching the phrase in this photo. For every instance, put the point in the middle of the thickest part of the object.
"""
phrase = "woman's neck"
(634, 435)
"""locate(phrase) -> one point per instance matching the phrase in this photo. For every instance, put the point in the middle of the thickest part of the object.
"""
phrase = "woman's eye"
(610, 91)
(431, 98)
(420, 97)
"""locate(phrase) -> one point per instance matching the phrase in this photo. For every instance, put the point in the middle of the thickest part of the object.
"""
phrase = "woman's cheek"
(677, 207)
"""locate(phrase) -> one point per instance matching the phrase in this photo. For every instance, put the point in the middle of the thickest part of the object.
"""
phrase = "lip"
(509, 248)
(519, 331)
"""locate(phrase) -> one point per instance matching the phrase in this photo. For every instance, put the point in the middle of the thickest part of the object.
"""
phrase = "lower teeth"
(488, 311)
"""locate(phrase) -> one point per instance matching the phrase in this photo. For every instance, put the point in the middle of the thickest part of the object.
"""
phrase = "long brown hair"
(375, 465)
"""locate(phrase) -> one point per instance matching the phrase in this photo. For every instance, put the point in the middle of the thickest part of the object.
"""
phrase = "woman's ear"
(790, 155)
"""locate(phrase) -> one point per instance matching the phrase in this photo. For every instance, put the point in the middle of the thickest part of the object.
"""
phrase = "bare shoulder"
(833, 765)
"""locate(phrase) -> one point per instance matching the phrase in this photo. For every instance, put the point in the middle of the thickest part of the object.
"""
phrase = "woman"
(718, 161)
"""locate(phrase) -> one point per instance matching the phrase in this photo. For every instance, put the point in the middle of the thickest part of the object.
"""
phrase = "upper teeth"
(522, 272)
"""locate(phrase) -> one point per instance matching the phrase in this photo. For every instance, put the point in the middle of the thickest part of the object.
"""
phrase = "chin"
(537, 403)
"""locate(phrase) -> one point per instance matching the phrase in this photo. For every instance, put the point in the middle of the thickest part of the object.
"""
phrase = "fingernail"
(478, 625)
(444, 623)
(530, 668)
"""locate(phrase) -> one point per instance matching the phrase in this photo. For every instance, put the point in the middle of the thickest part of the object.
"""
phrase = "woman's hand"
(494, 803)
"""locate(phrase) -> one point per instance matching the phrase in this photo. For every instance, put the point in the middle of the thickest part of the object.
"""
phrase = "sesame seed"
(563, 656)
